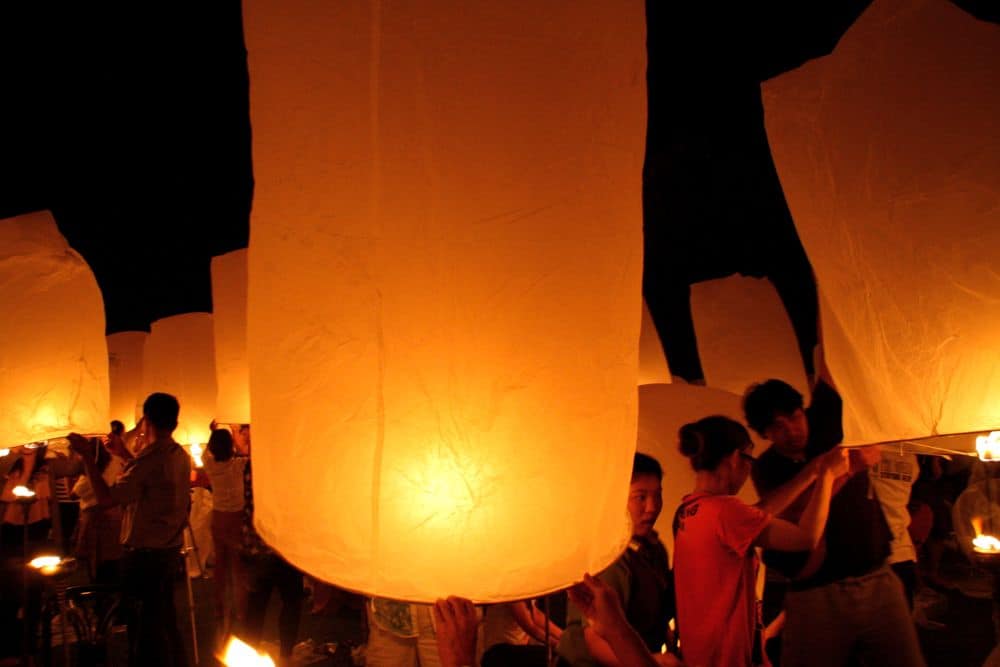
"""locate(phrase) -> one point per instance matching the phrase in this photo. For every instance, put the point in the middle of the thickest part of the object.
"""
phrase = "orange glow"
(988, 446)
(240, 654)
(55, 371)
(444, 298)
(984, 544)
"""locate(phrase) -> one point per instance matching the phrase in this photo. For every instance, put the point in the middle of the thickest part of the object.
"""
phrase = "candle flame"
(240, 654)
(986, 544)
(21, 491)
(988, 446)
(4, 452)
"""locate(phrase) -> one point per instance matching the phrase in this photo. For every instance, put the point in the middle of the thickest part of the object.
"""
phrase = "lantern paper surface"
(444, 290)
(53, 356)
(888, 151)
(179, 359)
(125, 351)
(229, 311)
(663, 409)
(653, 367)
(744, 335)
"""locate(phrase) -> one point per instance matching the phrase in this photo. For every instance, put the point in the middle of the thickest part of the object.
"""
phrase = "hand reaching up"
(455, 622)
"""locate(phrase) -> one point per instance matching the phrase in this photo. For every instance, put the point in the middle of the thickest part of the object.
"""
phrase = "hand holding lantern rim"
(455, 622)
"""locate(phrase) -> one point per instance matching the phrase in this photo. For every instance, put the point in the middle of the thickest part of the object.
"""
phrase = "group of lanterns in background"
(441, 331)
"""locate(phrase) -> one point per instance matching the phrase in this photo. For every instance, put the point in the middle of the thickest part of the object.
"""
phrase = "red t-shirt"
(714, 573)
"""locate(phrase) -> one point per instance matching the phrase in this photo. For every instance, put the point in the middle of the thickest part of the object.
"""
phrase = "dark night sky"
(130, 122)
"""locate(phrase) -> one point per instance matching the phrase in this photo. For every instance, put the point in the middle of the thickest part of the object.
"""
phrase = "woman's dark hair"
(707, 441)
(220, 443)
(764, 401)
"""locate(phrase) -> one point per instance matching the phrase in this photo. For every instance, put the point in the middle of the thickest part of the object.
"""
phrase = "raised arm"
(784, 535)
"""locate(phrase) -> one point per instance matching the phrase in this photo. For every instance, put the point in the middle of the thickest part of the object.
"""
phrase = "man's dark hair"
(161, 410)
(644, 464)
(764, 401)
(220, 443)
(117, 427)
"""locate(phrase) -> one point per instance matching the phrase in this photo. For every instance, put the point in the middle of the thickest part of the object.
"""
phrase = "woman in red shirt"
(715, 565)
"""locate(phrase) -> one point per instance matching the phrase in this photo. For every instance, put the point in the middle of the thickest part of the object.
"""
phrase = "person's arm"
(129, 485)
(782, 535)
(525, 615)
(778, 499)
(606, 621)
(455, 623)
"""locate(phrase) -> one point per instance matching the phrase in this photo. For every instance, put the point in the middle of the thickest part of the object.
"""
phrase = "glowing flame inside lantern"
(21, 491)
(196, 451)
(240, 654)
(988, 446)
(984, 544)
(4, 452)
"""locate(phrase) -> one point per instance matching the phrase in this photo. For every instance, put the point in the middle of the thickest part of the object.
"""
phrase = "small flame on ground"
(46, 564)
(988, 446)
(240, 654)
(21, 491)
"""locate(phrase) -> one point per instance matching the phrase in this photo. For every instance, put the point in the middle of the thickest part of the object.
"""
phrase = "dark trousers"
(147, 578)
(264, 574)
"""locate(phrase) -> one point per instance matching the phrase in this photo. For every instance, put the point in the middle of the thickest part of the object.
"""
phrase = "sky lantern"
(179, 359)
(887, 153)
(663, 409)
(125, 351)
(744, 334)
(444, 290)
(53, 356)
(229, 310)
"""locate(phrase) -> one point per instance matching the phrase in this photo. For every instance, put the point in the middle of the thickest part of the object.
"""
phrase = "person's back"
(715, 567)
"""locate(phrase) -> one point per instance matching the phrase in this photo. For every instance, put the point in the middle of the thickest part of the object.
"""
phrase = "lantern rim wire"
(920, 445)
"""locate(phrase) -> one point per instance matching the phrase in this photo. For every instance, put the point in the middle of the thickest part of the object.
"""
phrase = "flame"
(988, 446)
(984, 544)
(196, 451)
(46, 564)
(21, 491)
(240, 654)
(4, 452)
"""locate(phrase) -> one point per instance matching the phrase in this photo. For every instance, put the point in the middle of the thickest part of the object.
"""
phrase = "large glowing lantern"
(663, 409)
(53, 357)
(229, 309)
(179, 359)
(125, 371)
(887, 153)
(744, 334)
(444, 290)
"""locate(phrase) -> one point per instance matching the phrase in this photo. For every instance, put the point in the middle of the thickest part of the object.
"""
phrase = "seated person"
(641, 578)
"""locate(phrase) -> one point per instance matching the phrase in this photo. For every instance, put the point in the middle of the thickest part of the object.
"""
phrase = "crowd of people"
(831, 524)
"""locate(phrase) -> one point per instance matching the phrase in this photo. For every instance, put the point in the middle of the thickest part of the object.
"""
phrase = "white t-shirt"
(85, 492)
(892, 478)
(227, 482)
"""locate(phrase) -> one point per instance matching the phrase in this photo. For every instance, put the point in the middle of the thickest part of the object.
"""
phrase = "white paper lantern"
(888, 154)
(125, 351)
(744, 335)
(663, 409)
(229, 310)
(653, 367)
(444, 290)
(53, 357)
(179, 359)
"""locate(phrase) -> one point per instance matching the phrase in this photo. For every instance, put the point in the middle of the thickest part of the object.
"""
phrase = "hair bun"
(692, 442)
